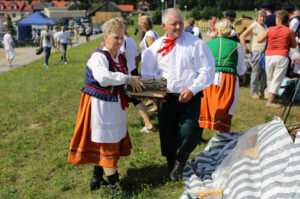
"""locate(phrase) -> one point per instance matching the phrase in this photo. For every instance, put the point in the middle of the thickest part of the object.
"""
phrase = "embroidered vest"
(225, 53)
(92, 86)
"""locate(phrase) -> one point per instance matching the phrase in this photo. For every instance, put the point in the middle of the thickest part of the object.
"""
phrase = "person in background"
(190, 26)
(88, 33)
(219, 102)
(197, 32)
(188, 65)
(139, 31)
(212, 24)
(46, 42)
(81, 30)
(8, 43)
(62, 41)
(151, 35)
(280, 40)
(130, 50)
(294, 20)
(258, 74)
(101, 135)
(75, 31)
(231, 15)
(268, 8)
(33, 33)
(55, 34)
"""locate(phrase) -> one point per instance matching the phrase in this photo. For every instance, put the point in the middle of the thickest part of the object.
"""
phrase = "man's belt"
(175, 96)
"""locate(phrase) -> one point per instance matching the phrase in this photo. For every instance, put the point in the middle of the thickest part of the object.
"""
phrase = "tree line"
(201, 4)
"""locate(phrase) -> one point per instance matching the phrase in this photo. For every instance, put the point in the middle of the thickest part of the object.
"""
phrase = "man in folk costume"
(220, 99)
(100, 134)
(188, 65)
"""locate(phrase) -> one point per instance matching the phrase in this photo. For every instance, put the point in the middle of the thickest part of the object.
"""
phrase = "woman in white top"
(100, 134)
(258, 73)
(146, 24)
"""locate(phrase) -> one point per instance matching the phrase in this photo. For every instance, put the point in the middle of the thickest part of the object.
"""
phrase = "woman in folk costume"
(219, 101)
(100, 134)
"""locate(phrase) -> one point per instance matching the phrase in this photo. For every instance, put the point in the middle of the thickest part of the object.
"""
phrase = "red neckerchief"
(169, 44)
(122, 69)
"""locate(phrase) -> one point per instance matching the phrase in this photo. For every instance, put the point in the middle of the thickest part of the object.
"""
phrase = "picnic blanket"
(264, 162)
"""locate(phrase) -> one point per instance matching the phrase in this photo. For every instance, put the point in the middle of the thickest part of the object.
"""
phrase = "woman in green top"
(219, 101)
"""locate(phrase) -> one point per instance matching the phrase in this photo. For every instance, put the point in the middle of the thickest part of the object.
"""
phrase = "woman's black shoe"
(97, 178)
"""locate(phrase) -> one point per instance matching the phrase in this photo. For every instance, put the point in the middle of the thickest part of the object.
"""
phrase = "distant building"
(21, 9)
(62, 13)
(105, 12)
(127, 8)
(12, 8)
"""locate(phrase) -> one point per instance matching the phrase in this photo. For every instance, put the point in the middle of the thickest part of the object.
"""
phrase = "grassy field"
(38, 110)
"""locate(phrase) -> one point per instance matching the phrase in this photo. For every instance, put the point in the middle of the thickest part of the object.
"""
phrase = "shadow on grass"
(138, 179)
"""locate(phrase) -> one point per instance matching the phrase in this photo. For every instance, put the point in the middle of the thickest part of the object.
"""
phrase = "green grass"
(38, 112)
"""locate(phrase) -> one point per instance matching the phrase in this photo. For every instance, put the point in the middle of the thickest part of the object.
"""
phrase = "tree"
(9, 25)
(156, 17)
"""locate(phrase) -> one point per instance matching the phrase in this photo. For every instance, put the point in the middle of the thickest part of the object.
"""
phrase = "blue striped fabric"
(274, 172)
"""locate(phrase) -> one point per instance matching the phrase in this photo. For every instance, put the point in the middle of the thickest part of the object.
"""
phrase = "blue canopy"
(37, 18)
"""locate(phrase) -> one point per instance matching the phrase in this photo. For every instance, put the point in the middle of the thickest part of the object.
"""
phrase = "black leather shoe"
(97, 178)
(180, 162)
(177, 170)
(113, 180)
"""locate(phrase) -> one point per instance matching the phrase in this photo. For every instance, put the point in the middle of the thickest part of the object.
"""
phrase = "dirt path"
(24, 56)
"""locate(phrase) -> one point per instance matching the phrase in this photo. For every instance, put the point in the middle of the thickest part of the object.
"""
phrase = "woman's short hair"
(146, 21)
(224, 27)
(191, 21)
(282, 16)
(113, 25)
(261, 13)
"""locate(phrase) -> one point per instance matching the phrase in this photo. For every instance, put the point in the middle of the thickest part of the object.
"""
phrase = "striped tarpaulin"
(262, 163)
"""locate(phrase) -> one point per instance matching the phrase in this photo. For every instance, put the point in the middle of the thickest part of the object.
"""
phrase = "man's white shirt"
(63, 37)
(190, 64)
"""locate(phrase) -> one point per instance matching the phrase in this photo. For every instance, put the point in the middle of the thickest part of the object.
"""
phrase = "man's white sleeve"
(205, 66)
(149, 64)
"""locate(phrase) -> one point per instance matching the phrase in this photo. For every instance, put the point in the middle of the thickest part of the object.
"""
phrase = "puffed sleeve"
(149, 64)
(241, 68)
(204, 65)
(100, 69)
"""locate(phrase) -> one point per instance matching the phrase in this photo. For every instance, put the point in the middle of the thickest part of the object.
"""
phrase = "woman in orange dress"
(100, 134)
(220, 99)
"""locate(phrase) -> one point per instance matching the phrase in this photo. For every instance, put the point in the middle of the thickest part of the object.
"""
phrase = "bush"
(195, 13)
(156, 17)
(206, 13)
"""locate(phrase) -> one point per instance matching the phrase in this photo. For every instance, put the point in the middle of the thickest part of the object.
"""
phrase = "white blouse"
(108, 118)
(190, 64)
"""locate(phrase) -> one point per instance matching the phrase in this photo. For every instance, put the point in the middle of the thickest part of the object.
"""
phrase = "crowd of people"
(58, 40)
(202, 84)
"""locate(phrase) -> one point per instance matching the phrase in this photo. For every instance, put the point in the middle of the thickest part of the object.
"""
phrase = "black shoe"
(97, 178)
(113, 184)
(177, 170)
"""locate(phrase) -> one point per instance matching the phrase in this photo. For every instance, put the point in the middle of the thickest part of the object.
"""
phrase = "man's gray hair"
(168, 12)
